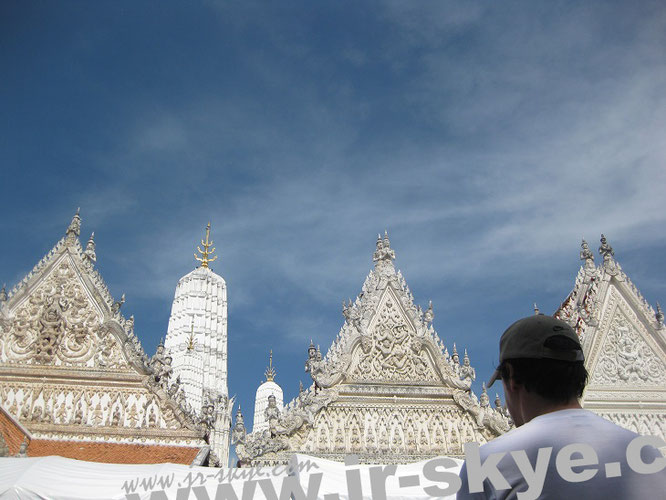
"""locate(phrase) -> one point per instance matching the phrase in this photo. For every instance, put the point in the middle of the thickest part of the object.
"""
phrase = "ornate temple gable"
(624, 343)
(387, 389)
(68, 357)
(62, 315)
(385, 338)
(587, 303)
(623, 353)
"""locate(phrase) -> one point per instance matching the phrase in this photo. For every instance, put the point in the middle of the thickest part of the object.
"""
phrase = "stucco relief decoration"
(392, 352)
(628, 359)
(54, 325)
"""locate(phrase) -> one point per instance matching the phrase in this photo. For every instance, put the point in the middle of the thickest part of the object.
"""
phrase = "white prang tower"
(197, 341)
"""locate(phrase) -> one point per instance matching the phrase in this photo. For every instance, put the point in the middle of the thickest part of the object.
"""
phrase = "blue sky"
(487, 137)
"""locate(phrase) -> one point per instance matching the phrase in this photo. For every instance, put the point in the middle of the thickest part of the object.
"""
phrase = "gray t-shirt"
(613, 479)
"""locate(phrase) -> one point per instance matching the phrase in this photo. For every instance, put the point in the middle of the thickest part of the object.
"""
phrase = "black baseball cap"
(526, 338)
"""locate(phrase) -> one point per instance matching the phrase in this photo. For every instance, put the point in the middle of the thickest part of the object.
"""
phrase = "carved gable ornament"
(625, 358)
(391, 350)
(59, 324)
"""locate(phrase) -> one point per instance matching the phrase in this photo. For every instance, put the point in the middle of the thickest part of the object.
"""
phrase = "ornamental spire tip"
(270, 371)
(206, 258)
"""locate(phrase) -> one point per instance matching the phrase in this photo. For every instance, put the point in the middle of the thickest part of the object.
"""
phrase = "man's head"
(541, 367)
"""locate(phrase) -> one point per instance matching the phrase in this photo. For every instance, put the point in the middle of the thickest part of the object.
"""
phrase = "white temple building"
(197, 342)
(264, 391)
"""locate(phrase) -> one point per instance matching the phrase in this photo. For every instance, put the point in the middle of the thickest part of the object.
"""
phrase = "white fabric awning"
(58, 478)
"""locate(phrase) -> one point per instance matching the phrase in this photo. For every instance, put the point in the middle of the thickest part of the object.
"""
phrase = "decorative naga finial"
(606, 250)
(270, 371)
(206, 253)
(429, 314)
(74, 228)
(536, 309)
(90, 248)
(659, 315)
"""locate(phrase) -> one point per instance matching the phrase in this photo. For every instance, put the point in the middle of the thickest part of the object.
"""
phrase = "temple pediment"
(624, 342)
(58, 322)
(391, 351)
(623, 354)
(71, 367)
(387, 389)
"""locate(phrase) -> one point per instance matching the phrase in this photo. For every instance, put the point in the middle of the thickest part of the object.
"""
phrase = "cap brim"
(495, 376)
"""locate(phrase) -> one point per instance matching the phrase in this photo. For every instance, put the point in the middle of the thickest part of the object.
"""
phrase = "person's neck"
(539, 406)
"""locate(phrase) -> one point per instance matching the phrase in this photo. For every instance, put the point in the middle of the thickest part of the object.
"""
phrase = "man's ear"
(511, 381)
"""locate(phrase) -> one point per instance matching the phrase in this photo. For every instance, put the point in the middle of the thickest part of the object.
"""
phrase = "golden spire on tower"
(205, 253)
(270, 372)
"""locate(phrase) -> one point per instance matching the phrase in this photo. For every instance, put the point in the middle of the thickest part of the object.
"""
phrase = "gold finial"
(205, 253)
(270, 372)
(191, 341)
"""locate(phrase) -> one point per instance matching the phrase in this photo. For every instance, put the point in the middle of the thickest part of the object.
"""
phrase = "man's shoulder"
(557, 429)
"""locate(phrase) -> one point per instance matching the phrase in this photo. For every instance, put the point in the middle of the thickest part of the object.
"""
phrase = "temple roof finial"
(454, 355)
(74, 228)
(429, 315)
(585, 252)
(206, 253)
(270, 371)
(536, 309)
(90, 248)
(384, 254)
(484, 400)
(606, 250)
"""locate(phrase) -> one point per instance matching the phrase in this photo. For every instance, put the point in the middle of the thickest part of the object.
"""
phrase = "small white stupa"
(268, 388)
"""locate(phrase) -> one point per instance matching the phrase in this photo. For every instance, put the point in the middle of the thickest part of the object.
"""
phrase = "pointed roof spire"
(466, 357)
(206, 253)
(270, 371)
(90, 248)
(536, 309)
(74, 228)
